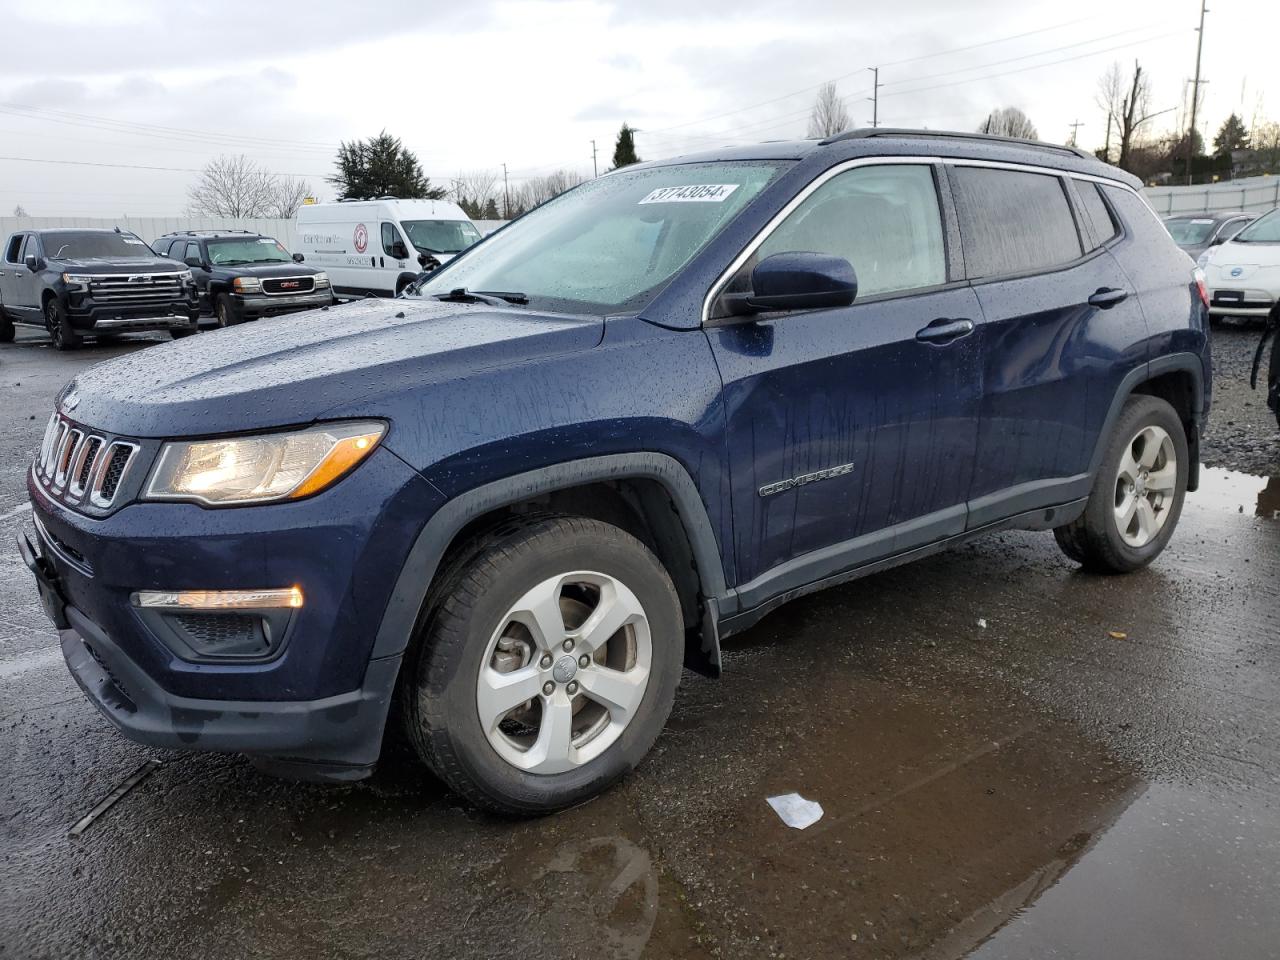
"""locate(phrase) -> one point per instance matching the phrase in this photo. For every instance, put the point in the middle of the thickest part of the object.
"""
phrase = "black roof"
(890, 141)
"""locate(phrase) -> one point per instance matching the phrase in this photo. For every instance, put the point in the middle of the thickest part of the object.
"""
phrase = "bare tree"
(1009, 122)
(473, 189)
(541, 189)
(828, 116)
(19, 211)
(1128, 105)
(232, 186)
(287, 194)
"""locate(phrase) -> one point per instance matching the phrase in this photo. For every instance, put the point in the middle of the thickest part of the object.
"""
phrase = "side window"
(29, 248)
(1095, 211)
(390, 237)
(192, 250)
(1013, 222)
(884, 220)
(1231, 228)
(13, 248)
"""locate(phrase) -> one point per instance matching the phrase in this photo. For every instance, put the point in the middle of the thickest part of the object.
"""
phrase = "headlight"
(322, 279)
(247, 284)
(77, 279)
(261, 469)
(185, 276)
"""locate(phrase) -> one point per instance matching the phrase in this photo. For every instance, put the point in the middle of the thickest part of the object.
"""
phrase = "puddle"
(1238, 492)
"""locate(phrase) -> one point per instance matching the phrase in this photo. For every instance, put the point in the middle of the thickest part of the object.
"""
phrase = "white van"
(375, 247)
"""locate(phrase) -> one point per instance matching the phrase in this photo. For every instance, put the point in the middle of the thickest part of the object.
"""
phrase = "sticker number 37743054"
(691, 193)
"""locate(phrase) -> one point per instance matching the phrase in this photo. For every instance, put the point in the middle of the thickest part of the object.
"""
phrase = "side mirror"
(195, 262)
(298, 258)
(796, 281)
(427, 262)
(31, 262)
(1218, 240)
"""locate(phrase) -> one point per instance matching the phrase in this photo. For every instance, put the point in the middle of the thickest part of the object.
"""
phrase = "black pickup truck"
(243, 275)
(91, 283)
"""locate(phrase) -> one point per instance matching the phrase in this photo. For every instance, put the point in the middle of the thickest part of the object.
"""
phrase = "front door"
(850, 430)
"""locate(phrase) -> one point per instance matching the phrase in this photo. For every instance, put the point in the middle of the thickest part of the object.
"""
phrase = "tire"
(225, 311)
(510, 766)
(1146, 460)
(58, 324)
(7, 330)
(177, 333)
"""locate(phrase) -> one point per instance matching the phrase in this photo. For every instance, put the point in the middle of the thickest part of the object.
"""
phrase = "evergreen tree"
(1232, 135)
(624, 152)
(381, 167)
(491, 211)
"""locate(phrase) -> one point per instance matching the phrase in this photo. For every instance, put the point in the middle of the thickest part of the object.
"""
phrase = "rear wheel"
(58, 324)
(7, 329)
(1137, 495)
(177, 333)
(548, 666)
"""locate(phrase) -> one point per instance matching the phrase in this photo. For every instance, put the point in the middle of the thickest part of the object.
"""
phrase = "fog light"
(283, 598)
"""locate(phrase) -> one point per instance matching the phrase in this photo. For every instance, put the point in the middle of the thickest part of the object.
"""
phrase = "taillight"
(1204, 291)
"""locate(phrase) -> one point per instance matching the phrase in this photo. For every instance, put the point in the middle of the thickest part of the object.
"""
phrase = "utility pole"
(1195, 90)
(595, 170)
(506, 195)
(1106, 149)
(875, 96)
(1074, 127)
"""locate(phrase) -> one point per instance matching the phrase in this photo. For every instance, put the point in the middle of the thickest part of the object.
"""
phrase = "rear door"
(851, 430)
(1060, 327)
(26, 285)
(10, 269)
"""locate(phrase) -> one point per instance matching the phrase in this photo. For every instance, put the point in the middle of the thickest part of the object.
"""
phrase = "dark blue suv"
(502, 512)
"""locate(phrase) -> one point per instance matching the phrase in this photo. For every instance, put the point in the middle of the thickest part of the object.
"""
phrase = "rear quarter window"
(1013, 222)
(1096, 212)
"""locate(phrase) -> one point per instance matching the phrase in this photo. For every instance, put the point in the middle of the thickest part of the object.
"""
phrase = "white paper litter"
(982, 623)
(796, 811)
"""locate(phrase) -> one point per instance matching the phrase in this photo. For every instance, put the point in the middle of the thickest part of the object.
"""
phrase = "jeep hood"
(293, 369)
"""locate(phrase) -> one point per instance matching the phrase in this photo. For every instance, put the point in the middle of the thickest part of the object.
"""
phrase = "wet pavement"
(1015, 760)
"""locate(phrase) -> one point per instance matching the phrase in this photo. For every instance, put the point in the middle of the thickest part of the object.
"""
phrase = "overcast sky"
(476, 84)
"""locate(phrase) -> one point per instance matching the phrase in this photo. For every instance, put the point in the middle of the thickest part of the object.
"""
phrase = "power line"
(891, 63)
(136, 166)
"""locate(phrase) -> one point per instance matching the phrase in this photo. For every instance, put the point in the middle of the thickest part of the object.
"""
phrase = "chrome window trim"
(764, 233)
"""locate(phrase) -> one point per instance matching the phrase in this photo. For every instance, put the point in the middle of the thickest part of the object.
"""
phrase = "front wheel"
(1137, 495)
(225, 311)
(547, 667)
(7, 329)
(58, 324)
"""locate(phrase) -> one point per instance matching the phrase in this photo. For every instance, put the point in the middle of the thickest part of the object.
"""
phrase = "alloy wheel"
(1145, 485)
(564, 673)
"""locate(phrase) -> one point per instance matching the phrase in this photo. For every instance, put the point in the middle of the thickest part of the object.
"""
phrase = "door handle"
(1104, 298)
(944, 330)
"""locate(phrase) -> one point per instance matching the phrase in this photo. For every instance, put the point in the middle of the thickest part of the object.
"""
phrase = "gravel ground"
(1242, 433)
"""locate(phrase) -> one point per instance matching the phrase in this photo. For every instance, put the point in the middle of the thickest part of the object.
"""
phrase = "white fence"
(1258, 194)
(149, 228)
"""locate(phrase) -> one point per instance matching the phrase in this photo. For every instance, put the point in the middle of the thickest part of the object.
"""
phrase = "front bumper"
(265, 305)
(320, 699)
(90, 316)
(1240, 302)
(335, 738)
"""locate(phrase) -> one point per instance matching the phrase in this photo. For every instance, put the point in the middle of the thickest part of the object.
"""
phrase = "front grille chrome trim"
(116, 448)
(67, 448)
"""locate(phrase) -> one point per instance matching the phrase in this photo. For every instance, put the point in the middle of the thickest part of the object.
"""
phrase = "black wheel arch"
(648, 494)
(1177, 378)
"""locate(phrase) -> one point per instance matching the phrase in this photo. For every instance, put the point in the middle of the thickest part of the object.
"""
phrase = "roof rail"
(864, 133)
(210, 231)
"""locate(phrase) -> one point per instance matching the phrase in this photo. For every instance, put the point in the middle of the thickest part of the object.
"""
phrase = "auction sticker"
(693, 193)
(361, 238)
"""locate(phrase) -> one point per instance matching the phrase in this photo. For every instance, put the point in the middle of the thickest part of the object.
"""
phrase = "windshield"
(1189, 232)
(88, 246)
(441, 236)
(252, 250)
(611, 243)
(1266, 229)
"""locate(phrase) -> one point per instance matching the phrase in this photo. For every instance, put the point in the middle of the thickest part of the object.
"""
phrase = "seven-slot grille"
(280, 285)
(78, 466)
(159, 289)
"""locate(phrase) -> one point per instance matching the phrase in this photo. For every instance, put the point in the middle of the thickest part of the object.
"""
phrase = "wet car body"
(487, 404)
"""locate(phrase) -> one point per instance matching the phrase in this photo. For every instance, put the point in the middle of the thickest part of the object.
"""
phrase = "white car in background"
(1243, 274)
(377, 247)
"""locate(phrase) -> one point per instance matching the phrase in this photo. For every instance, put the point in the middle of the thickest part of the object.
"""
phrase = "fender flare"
(423, 561)
(1170, 363)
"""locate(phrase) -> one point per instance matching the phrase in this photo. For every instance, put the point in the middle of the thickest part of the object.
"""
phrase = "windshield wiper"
(496, 298)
